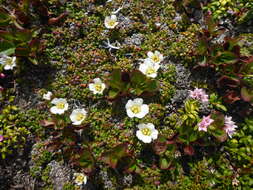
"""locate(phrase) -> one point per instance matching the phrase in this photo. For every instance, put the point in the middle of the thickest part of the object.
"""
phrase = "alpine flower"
(205, 122)
(136, 108)
(1, 138)
(47, 96)
(199, 94)
(229, 126)
(146, 132)
(149, 68)
(80, 179)
(111, 21)
(77, 116)
(8, 62)
(155, 57)
(97, 87)
(60, 107)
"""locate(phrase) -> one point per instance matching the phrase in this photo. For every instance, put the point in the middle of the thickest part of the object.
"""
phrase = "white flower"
(8, 62)
(80, 179)
(47, 96)
(149, 68)
(136, 108)
(97, 87)
(146, 132)
(77, 116)
(60, 107)
(111, 21)
(156, 57)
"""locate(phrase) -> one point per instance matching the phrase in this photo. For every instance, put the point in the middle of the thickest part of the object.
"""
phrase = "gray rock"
(180, 96)
(59, 174)
(183, 76)
(135, 39)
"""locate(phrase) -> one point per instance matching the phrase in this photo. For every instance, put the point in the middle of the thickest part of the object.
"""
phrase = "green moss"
(69, 186)
(14, 133)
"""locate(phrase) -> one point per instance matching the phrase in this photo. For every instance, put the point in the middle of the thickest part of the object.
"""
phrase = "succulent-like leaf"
(189, 150)
(86, 161)
(247, 94)
(164, 163)
(160, 145)
(113, 156)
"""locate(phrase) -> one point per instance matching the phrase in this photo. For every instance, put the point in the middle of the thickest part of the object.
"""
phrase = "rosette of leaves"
(226, 58)
(126, 83)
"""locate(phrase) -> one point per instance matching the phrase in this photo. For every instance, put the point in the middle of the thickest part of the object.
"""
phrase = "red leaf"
(53, 21)
(46, 123)
(226, 81)
(231, 97)
(189, 150)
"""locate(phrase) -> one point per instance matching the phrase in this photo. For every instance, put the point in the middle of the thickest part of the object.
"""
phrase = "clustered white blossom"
(80, 179)
(136, 108)
(47, 96)
(77, 116)
(60, 106)
(8, 62)
(151, 64)
(146, 132)
(111, 21)
(97, 87)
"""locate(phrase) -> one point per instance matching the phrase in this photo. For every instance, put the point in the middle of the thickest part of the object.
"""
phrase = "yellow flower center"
(98, 87)
(111, 22)
(8, 62)
(136, 109)
(150, 71)
(60, 105)
(146, 131)
(79, 116)
(79, 179)
(155, 58)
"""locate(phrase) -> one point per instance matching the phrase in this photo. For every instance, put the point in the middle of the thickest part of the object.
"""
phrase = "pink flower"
(199, 94)
(229, 126)
(1, 138)
(205, 122)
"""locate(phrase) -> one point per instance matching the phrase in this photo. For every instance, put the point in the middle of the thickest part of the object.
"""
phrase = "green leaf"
(218, 119)
(7, 48)
(87, 161)
(225, 57)
(164, 163)
(247, 94)
(4, 17)
(137, 78)
(23, 35)
(8, 51)
(151, 86)
(113, 93)
(115, 81)
(193, 137)
(6, 35)
(113, 156)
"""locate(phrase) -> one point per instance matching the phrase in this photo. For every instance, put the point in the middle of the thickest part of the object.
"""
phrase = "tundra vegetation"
(121, 94)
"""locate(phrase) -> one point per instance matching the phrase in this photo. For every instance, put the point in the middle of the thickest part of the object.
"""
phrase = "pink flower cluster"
(229, 126)
(1, 138)
(199, 94)
(205, 122)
